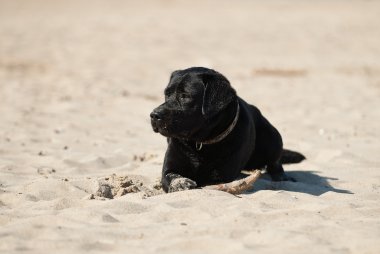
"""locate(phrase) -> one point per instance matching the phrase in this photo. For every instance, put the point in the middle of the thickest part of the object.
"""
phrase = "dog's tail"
(289, 156)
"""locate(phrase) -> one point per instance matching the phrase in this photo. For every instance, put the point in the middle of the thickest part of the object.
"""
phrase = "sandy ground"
(78, 80)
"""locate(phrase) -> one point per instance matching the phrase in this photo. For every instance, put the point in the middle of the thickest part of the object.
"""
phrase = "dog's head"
(193, 98)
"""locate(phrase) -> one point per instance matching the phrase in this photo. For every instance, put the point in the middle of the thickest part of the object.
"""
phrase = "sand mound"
(115, 186)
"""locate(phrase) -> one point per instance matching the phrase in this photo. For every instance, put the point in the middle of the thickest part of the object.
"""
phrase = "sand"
(78, 80)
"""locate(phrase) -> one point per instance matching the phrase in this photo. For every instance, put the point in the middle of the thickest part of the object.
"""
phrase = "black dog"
(213, 134)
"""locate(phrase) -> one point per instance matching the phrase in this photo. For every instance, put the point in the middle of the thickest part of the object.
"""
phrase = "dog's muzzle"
(156, 119)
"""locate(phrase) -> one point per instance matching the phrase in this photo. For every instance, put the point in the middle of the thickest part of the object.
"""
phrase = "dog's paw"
(181, 184)
(282, 177)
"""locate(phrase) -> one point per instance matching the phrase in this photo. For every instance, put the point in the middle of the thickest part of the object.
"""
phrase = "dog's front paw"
(181, 184)
(282, 177)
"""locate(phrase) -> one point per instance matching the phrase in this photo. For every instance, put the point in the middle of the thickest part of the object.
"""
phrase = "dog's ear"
(217, 95)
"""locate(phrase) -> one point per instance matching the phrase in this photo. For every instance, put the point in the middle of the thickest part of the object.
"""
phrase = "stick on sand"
(238, 186)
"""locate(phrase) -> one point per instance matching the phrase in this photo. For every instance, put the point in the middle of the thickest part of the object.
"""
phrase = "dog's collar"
(220, 137)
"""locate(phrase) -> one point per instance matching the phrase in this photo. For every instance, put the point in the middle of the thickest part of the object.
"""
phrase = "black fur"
(199, 105)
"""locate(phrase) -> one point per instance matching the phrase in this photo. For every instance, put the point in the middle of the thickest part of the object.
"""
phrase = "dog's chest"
(211, 164)
(206, 168)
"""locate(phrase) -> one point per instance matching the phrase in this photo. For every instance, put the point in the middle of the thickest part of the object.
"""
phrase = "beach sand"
(78, 80)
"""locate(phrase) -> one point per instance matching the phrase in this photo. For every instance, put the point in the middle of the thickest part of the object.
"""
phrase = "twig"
(238, 186)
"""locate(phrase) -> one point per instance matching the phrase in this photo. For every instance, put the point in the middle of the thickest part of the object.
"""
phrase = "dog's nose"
(155, 115)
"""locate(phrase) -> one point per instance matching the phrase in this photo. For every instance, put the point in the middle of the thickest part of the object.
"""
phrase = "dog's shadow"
(307, 182)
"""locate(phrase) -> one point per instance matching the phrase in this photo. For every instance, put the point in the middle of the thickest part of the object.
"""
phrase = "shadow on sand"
(307, 182)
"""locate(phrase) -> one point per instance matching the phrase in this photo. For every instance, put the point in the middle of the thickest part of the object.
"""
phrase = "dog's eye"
(184, 96)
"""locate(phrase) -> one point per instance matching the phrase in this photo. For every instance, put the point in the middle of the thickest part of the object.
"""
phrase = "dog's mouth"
(167, 126)
(166, 130)
(160, 126)
(155, 129)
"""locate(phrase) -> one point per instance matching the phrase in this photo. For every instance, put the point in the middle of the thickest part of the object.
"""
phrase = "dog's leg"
(276, 172)
(174, 182)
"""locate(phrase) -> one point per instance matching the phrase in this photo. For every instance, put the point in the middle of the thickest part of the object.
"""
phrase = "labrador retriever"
(213, 134)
